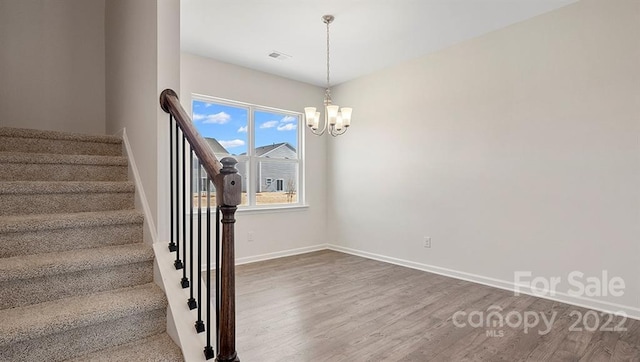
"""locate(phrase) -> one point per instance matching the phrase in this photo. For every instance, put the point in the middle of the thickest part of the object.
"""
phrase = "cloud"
(232, 143)
(287, 127)
(242, 129)
(218, 118)
(269, 124)
(207, 105)
(288, 119)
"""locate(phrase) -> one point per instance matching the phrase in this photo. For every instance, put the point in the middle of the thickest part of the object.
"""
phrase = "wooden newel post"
(228, 195)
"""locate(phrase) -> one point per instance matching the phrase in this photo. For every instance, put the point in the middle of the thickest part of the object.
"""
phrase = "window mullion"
(253, 172)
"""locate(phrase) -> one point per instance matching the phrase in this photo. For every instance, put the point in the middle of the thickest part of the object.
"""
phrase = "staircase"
(76, 281)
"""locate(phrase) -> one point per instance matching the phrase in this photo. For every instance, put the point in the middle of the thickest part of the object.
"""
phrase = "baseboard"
(164, 273)
(275, 255)
(280, 254)
(150, 232)
(179, 317)
(588, 303)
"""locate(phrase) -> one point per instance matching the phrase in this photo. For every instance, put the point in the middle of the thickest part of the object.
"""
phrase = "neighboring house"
(277, 150)
(276, 176)
(272, 176)
(216, 147)
(220, 153)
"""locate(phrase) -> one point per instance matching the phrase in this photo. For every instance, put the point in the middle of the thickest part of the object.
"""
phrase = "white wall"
(514, 151)
(52, 65)
(281, 231)
(143, 56)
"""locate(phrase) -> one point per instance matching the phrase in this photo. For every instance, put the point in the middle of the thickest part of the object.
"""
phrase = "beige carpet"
(76, 281)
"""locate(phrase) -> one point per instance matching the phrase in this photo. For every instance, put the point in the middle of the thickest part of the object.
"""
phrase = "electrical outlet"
(250, 236)
(427, 242)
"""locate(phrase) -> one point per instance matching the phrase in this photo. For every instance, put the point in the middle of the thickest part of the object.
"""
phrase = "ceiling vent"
(279, 55)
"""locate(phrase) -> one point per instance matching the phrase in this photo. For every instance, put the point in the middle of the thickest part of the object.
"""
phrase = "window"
(265, 141)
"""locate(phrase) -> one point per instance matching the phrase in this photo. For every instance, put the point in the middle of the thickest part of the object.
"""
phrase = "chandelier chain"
(328, 55)
(336, 120)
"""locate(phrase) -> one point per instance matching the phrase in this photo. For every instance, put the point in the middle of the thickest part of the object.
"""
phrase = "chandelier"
(336, 120)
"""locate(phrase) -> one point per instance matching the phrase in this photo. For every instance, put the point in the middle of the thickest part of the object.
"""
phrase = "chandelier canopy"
(336, 119)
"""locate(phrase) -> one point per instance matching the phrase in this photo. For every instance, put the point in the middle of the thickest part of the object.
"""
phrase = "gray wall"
(143, 58)
(52, 65)
(517, 150)
(92, 66)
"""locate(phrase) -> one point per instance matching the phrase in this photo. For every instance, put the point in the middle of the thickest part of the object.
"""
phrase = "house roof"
(264, 150)
(216, 146)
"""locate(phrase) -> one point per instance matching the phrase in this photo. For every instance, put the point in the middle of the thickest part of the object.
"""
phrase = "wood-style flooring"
(330, 306)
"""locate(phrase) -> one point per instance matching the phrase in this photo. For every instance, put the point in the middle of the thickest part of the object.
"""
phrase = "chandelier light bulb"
(346, 116)
(316, 121)
(339, 122)
(310, 113)
(336, 120)
(332, 113)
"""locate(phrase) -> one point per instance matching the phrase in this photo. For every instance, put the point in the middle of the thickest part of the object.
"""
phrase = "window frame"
(253, 161)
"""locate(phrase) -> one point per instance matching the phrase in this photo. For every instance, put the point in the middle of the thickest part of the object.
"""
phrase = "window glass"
(277, 182)
(264, 142)
(276, 135)
(223, 126)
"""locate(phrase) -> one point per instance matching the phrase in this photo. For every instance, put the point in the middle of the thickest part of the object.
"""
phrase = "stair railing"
(185, 142)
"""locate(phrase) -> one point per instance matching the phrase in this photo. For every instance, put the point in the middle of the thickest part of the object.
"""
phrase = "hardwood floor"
(330, 306)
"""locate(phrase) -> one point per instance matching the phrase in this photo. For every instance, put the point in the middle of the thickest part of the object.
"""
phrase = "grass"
(262, 198)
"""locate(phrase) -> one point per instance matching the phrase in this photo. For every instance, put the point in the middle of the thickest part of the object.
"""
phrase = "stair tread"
(38, 320)
(158, 348)
(77, 309)
(49, 264)
(39, 222)
(54, 158)
(63, 187)
(57, 135)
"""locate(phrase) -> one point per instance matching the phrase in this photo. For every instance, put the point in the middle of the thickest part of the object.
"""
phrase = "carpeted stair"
(76, 281)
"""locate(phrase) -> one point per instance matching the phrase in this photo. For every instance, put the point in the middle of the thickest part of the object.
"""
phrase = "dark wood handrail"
(170, 103)
(228, 185)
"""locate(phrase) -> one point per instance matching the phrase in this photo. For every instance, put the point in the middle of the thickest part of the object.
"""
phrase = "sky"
(229, 125)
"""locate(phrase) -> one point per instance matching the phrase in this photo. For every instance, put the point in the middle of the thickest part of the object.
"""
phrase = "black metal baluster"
(178, 262)
(208, 350)
(172, 244)
(217, 276)
(199, 322)
(191, 302)
(184, 282)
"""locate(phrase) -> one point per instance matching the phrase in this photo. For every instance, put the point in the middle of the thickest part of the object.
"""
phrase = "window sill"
(271, 209)
(258, 209)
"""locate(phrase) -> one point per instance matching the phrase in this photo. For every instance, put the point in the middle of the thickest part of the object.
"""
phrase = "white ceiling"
(367, 35)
